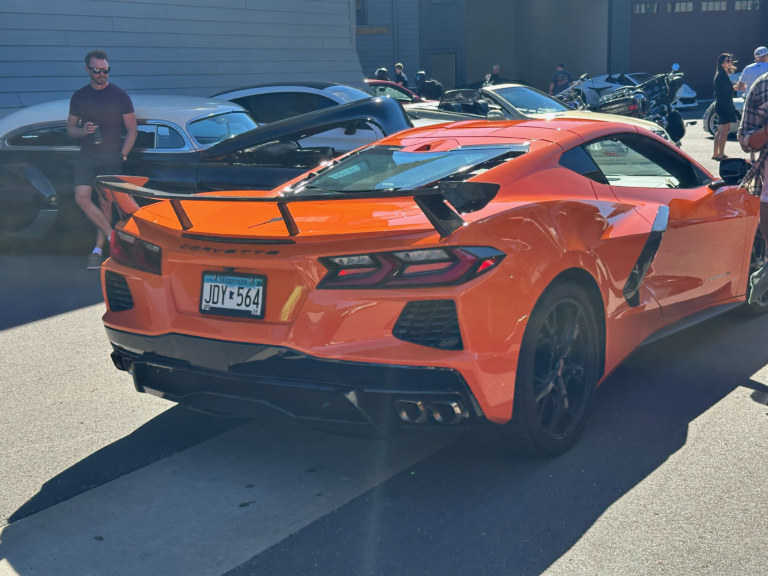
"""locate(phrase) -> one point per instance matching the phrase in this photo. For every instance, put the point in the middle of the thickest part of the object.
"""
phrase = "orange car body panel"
(545, 218)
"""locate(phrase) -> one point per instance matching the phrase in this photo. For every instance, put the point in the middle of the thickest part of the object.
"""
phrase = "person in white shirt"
(754, 71)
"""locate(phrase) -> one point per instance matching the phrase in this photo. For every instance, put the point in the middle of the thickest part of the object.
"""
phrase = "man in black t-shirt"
(400, 77)
(103, 109)
(561, 79)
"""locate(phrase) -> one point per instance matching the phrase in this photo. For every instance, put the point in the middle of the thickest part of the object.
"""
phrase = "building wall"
(695, 40)
(195, 47)
(574, 32)
(391, 35)
(490, 38)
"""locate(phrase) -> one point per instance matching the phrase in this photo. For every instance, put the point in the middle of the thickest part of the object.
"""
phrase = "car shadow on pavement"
(170, 432)
(468, 509)
(40, 286)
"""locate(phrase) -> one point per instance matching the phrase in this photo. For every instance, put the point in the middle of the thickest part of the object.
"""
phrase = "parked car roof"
(316, 85)
(176, 109)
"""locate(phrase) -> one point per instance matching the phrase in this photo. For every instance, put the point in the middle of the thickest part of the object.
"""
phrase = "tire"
(712, 121)
(558, 366)
(756, 261)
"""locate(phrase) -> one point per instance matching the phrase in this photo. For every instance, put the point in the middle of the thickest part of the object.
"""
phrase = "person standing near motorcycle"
(724, 108)
(753, 137)
(561, 79)
(753, 71)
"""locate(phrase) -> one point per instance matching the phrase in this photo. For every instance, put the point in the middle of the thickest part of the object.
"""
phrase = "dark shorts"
(91, 165)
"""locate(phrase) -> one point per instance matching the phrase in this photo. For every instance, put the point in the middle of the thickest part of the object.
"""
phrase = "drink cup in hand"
(96, 134)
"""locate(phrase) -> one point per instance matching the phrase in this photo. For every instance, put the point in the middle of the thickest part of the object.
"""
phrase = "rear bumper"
(243, 379)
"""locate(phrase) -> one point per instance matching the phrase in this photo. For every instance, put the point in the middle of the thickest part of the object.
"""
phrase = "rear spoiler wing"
(463, 197)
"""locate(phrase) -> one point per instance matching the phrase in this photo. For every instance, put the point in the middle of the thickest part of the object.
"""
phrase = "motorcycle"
(572, 96)
(652, 100)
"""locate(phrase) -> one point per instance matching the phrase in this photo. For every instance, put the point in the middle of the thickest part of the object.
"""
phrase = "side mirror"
(733, 170)
(350, 130)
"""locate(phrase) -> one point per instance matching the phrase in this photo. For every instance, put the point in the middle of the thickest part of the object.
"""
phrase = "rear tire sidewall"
(524, 432)
(757, 308)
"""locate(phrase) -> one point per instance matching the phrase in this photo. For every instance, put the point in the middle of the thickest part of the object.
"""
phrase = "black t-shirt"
(104, 107)
(401, 78)
(561, 79)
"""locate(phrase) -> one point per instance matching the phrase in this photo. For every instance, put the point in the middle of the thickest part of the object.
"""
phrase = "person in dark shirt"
(400, 78)
(97, 113)
(495, 77)
(724, 107)
(561, 79)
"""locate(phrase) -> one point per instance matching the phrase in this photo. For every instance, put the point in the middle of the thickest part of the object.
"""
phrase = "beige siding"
(195, 47)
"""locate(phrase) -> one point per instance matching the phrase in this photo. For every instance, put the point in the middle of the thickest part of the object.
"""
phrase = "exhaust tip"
(450, 413)
(411, 411)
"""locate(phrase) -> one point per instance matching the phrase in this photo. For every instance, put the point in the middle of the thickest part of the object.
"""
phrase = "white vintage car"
(595, 88)
(711, 121)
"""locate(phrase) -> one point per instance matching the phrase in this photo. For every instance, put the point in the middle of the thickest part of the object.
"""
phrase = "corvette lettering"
(228, 250)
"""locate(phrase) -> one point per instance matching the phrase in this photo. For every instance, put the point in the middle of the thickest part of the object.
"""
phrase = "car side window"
(45, 137)
(169, 138)
(637, 161)
(146, 137)
(267, 108)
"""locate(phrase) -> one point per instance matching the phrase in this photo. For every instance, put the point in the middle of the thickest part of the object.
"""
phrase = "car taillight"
(409, 268)
(135, 252)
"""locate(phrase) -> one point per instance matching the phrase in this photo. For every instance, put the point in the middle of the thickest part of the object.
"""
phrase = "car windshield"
(208, 131)
(347, 93)
(530, 101)
(389, 168)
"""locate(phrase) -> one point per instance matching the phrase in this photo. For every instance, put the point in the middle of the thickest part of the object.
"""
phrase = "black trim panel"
(235, 378)
(631, 289)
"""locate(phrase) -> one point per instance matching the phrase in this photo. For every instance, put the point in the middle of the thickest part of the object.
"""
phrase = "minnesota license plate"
(233, 294)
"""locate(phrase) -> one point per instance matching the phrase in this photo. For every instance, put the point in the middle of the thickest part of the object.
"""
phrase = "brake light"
(135, 252)
(411, 268)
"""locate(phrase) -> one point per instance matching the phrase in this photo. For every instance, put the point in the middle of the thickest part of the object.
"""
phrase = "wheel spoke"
(547, 386)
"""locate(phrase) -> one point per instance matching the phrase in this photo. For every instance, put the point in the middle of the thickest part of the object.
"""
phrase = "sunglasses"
(99, 70)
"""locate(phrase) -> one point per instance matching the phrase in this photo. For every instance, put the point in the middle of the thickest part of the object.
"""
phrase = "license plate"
(233, 294)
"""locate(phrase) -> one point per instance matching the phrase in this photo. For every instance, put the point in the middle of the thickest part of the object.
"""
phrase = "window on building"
(713, 6)
(680, 7)
(747, 5)
(646, 8)
(361, 11)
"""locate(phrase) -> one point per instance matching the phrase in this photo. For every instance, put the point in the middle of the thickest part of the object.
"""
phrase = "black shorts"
(91, 165)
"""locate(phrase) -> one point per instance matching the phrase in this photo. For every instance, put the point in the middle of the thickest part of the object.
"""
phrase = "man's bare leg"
(94, 213)
(106, 210)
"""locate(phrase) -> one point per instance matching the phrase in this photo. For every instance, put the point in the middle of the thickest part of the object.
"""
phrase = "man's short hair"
(398, 65)
(98, 54)
(561, 66)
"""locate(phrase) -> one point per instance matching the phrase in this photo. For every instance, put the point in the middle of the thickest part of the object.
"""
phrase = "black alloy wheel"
(756, 260)
(558, 370)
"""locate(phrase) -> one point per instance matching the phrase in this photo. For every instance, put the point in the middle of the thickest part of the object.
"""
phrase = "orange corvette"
(484, 275)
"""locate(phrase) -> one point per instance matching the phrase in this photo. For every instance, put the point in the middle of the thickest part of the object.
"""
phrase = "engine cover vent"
(118, 294)
(432, 323)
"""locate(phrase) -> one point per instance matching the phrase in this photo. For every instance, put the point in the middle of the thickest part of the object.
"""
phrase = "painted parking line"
(207, 509)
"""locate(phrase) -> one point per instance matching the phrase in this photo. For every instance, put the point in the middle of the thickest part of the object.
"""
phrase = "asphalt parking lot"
(669, 478)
